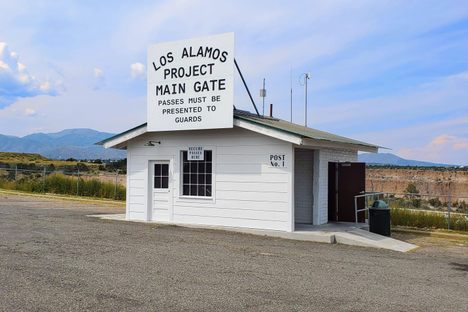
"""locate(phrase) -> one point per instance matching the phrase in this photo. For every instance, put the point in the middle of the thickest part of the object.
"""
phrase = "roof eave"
(120, 140)
(329, 144)
(307, 141)
(268, 131)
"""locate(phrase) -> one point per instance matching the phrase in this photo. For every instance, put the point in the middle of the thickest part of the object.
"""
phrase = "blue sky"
(394, 73)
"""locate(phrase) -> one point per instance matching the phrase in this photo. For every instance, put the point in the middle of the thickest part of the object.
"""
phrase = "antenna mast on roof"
(306, 77)
(263, 95)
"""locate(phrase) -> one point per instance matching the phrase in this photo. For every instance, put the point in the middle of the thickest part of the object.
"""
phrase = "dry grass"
(39, 160)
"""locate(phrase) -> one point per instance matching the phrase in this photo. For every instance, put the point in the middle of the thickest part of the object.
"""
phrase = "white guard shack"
(202, 162)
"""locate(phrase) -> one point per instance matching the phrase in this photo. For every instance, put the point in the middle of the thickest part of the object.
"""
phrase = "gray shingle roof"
(293, 128)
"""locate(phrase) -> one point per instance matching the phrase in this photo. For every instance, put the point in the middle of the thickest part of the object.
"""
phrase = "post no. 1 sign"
(190, 84)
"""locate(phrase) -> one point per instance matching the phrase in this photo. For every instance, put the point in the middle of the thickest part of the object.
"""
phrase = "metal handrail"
(365, 195)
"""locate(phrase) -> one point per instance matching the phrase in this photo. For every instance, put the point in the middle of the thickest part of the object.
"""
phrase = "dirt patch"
(434, 245)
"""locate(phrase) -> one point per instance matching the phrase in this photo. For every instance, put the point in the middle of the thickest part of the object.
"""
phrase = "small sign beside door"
(195, 153)
(277, 160)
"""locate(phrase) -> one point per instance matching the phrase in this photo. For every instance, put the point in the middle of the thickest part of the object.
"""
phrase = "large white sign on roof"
(191, 84)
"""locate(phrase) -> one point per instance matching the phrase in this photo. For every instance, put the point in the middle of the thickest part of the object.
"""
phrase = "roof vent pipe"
(271, 110)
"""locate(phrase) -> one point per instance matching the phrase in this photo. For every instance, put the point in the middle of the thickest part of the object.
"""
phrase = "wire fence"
(91, 184)
(414, 209)
(425, 210)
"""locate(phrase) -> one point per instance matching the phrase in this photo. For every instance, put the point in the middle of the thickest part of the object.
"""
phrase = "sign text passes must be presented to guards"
(190, 84)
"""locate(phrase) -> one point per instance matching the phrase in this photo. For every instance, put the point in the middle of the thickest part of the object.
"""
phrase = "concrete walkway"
(331, 233)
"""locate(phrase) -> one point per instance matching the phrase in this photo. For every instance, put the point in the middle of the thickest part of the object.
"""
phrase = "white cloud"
(30, 112)
(444, 141)
(137, 70)
(437, 149)
(99, 78)
(16, 82)
(67, 111)
(98, 73)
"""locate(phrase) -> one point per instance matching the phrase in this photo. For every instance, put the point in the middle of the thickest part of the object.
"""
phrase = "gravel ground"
(54, 258)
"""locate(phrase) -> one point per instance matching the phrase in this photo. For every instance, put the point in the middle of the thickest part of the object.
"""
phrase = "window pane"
(208, 167)
(184, 156)
(207, 155)
(193, 178)
(165, 170)
(186, 189)
(186, 167)
(186, 179)
(165, 182)
(193, 166)
(157, 182)
(201, 190)
(208, 190)
(193, 190)
(201, 167)
(201, 179)
(157, 170)
(208, 179)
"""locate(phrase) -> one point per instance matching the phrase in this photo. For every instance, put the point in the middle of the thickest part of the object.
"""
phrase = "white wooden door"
(161, 195)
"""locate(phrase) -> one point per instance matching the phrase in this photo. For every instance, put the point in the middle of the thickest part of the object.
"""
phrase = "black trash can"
(379, 218)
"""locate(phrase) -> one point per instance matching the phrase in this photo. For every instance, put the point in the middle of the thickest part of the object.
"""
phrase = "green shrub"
(411, 189)
(427, 219)
(435, 202)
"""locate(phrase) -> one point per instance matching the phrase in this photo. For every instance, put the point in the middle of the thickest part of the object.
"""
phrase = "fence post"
(115, 184)
(77, 182)
(43, 180)
(449, 207)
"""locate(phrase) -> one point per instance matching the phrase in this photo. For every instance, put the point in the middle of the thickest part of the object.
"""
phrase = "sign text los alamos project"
(188, 72)
(190, 84)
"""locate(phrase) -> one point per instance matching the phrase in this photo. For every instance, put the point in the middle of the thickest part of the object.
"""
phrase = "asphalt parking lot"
(54, 258)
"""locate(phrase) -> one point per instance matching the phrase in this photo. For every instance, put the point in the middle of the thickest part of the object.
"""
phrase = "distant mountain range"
(71, 143)
(394, 160)
(80, 144)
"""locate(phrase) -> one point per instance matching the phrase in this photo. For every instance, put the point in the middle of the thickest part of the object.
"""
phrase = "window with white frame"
(161, 176)
(197, 175)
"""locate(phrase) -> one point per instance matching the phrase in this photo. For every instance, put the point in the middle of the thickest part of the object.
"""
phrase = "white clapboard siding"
(254, 149)
(230, 213)
(138, 203)
(137, 191)
(253, 178)
(274, 197)
(235, 222)
(241, 159)
(256, 168)
(137, 215)
(247, 190)
(247, 186)
(236, 205)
